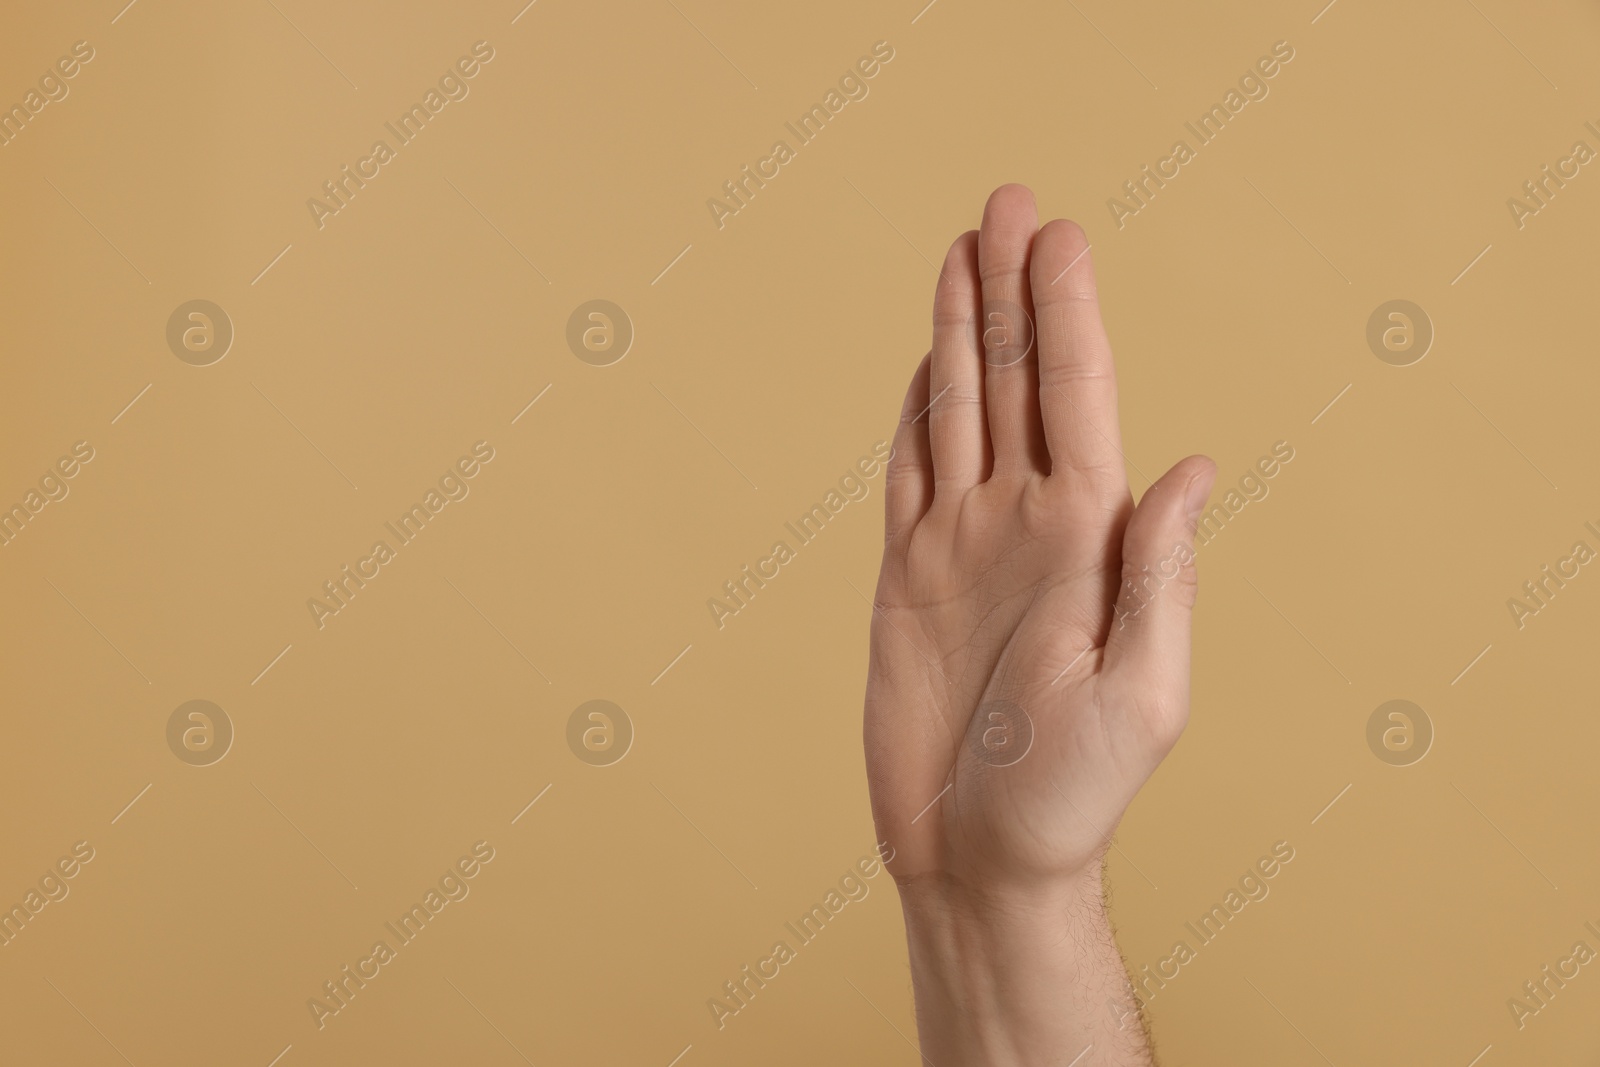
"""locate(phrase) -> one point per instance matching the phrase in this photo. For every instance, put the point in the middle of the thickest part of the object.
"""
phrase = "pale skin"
(1004, 610)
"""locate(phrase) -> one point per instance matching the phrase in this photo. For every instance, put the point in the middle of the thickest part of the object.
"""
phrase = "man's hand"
(1030, 651)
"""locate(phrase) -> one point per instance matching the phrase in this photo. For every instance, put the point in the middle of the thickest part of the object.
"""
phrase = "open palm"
(1030, 638)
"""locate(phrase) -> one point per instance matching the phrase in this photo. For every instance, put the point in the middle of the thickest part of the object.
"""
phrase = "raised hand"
(1030, 639)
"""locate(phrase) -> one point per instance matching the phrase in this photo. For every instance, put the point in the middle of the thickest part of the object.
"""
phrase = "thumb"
(1148, 648)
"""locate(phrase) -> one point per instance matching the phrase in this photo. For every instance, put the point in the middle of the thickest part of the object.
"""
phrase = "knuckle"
(1000, 270)
(954, 398)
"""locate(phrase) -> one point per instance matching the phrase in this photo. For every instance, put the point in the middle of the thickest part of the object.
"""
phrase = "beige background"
(427, 314)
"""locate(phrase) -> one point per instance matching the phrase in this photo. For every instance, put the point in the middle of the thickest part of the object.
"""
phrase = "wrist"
(979, 916)
(1014, 974)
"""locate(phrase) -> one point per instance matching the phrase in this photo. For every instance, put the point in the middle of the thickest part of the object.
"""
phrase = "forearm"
(1020, 977)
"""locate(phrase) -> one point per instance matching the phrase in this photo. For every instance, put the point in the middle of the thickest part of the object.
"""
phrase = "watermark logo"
(740, 191)
(1399, 333)
(1001, 734)
(1538, 191)
(599, 733)
(452, 887)
(1537, 993)
(1399, 733)
(852, 887)
(53, 486)
(1253, 887)
(199, 733)
(453, 86)
(853, 487)
(1139, 191)
(1253, 487)
(1551, 579)
(199, 332)
(52, 89)
(1006, 335)
(51, 888)
(453, 486)
(599, 333)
